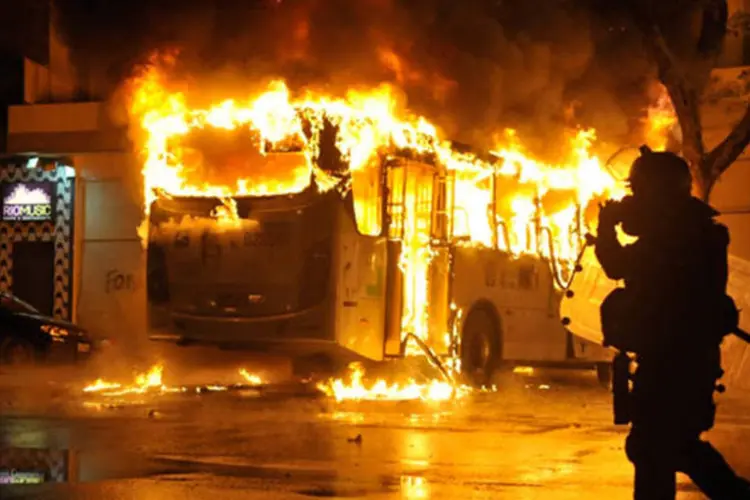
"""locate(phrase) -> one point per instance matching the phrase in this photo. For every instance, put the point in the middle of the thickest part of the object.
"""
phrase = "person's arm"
(613, 257)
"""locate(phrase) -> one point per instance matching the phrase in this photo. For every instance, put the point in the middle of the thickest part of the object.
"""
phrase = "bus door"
(409, 215)
(362, 282)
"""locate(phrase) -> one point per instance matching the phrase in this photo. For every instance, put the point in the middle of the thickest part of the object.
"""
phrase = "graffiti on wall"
(119, 281)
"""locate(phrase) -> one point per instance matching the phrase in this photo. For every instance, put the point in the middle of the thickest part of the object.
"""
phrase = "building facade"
(37, 234)
(81, 259)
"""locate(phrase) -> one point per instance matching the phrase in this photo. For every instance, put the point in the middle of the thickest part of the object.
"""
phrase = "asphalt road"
(544, 436)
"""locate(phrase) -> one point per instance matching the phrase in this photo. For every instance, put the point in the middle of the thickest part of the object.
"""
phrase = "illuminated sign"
(21, 477)
(28, 201)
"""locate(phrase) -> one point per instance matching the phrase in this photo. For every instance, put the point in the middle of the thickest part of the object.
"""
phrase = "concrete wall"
(733, 50)
(111, 298)
(64, 128)
(109, 284)
(731, 196)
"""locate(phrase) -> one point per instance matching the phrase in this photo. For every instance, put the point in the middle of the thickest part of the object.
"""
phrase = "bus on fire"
(343, 274)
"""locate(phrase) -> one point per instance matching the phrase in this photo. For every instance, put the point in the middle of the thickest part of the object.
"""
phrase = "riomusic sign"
(28, 201)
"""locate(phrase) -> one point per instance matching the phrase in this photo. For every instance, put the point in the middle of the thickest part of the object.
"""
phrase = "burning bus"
(329, 229)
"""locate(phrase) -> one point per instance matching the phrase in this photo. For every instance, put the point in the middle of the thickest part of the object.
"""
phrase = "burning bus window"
(368, 198)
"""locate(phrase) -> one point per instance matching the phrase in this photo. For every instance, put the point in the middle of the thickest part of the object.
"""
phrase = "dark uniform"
(671, 315)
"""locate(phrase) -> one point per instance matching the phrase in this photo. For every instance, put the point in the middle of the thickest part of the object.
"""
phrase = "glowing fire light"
(226, 215)
(151, 382)
(144, 382)
(250, 378)
(511, 201)
(101, 385)
(353, 387)
(660, 121)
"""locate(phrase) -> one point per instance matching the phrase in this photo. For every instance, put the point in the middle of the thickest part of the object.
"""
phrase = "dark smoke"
(471, 66)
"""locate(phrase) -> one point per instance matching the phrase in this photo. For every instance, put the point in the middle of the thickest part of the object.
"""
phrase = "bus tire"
(604, 374)
(480, 346)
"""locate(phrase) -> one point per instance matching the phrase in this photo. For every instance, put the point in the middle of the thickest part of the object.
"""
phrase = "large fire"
(507, 200)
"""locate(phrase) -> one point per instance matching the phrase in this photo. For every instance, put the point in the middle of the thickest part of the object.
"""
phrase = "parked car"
(28, 336)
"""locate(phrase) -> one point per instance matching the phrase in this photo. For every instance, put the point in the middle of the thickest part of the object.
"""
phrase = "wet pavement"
(545, 436)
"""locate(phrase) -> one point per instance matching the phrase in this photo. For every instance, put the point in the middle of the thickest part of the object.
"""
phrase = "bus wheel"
(604, 374)
(480, 352)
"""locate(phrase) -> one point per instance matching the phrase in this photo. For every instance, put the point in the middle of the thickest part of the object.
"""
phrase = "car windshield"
(13, 303)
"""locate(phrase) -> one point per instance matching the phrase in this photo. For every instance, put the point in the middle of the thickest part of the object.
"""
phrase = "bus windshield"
(275, 260)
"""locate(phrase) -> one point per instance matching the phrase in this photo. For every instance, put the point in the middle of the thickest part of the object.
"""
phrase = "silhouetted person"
(672, 315)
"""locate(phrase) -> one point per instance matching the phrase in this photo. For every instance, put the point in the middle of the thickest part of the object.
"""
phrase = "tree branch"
(684, 97)
(723, 155)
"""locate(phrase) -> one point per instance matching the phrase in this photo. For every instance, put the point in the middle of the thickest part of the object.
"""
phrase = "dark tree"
(684, 39)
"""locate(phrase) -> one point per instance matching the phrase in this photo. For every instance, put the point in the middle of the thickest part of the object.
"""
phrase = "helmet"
(660, 173)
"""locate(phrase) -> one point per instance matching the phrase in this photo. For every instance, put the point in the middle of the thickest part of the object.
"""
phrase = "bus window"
(368, 198)
(442, 207)
(396, 201)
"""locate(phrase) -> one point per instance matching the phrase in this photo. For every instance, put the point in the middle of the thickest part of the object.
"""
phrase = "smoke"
(473, 67)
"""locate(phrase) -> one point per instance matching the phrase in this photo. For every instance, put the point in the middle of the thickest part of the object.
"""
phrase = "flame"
(152, 382)
(661, 121)
(510, 201)
(353, 387)
(250, 378)
(523, 370)
(144, 382)
(101, 385)
(226, 214)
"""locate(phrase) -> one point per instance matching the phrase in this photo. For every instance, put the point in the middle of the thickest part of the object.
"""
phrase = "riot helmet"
(659, 174)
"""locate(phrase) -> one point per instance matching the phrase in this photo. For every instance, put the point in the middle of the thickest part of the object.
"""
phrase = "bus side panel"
(522, 293)
(360, 290)
(438, 307)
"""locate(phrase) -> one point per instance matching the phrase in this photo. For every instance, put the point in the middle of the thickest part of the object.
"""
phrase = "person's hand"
(609, 215)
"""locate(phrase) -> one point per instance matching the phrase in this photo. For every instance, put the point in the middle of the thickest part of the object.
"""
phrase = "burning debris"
(355, 387)
(151, 383)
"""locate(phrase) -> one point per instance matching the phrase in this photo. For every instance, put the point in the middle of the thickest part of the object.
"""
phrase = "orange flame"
(144, 382)
(354, 388)
(661, 121)
(151, 382)
(539, 208)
